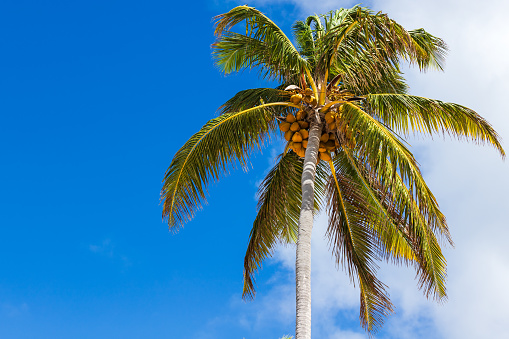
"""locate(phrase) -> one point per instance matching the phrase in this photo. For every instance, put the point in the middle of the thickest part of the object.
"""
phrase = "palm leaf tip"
(221, 143)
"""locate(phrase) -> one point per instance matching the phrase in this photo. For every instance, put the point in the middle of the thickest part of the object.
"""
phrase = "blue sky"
(95, 99)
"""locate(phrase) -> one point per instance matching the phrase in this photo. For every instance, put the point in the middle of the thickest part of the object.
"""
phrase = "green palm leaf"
(224, 140)
(264, 44)
(354, 244)
(405, 113)
(253, 97)
(431, 50)
(387, 220)
(280, 198)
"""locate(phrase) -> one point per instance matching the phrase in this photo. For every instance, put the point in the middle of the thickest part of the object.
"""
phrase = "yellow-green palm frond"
(357, 31)
(378, 146)
(403, 225)
(405, 113)
(280, 197)
(264, 44)
(222, 141)
(353, 69)
(387, 219)
(303, 34)
(360, 30)
(354, 244)
(431, 50)
(422, 219)
(254, 97)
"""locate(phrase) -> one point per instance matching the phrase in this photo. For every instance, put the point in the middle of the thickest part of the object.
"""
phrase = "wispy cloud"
(470, 183)
(106, 249)
(14, 310)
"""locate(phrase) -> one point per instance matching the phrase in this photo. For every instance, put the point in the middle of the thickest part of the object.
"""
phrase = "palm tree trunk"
(303, 260)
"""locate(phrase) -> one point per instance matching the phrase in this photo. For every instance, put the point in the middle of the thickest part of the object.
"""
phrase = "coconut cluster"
(296, 128)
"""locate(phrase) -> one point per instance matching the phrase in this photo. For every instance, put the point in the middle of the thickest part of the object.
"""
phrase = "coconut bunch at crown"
(296, 127)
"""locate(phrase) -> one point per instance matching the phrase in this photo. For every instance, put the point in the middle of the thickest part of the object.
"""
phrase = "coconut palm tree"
(343, 106)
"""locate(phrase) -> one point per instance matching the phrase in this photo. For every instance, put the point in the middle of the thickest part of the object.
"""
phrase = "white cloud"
(470, 183)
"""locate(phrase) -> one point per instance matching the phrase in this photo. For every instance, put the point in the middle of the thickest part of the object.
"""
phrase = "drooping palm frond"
(256, 96)
(379, 146)
(223, 141)
(430, 49)
(353, 69)
(264, 44)
(359, 31)
(280, 196)
(388, 220)
(403, 226)
(304, 37)
(405, 113)
(355, 246)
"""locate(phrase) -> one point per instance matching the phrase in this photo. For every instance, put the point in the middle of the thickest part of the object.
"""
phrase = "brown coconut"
(297, 137)
(300, 115)
(303, 124)
(288, 135)
(325, 156)
(296, 98)
(304, 133)
(284, 126)
(329, 118)
(295, 127)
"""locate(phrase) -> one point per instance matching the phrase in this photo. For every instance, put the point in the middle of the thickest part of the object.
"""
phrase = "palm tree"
(342, 104)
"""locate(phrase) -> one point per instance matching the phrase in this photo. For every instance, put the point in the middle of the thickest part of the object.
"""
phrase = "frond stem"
(230, 117)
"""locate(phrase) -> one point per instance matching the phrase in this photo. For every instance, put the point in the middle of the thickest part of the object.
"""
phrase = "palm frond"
(355, 246)
(264, 44)
(408, 235)
(280, 197)
(221, 142)
(254, 97)
(421, 217)
(405, 113)
(359, 31)
(303, 35)
(387, 219)
(431, 50)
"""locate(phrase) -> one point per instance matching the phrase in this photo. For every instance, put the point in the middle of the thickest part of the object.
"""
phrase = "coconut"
(332, 136)
(308, 91)
(296, 98)
(297, 137)
(325, 156)
(288, 135)
(295, 127)
(284, 126)
(313, 101)
(329, 118)
(304, 133)
(301, 153)
(321, 147)
(297, 146)
(330, 145)
(300, 115)
(290, 118)
(333, 126)
(304, 143)
(324, 137)
(303, 124)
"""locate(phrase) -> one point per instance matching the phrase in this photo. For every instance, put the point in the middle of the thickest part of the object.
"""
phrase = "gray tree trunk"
(303, 261)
